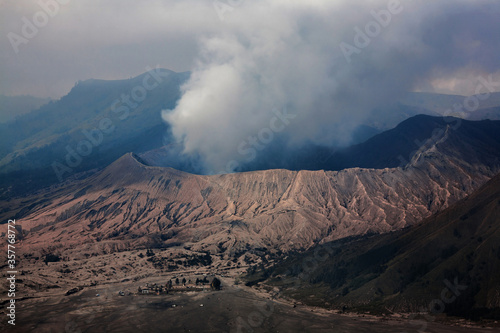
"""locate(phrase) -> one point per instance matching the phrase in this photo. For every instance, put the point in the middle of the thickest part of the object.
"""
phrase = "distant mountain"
(397, 146)
(66, 138)
(130, 204)
(437, 103)
(14, 106)
(390, 149)
(408, 270)
(97, 122)
(432, 104)
(492, 113)
(442, 104)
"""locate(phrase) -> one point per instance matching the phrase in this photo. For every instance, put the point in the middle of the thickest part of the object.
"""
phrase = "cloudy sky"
(328, 62)
(108, 39)
(113, 39)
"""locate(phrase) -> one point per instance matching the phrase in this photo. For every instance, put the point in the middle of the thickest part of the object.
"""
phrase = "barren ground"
(236, 308)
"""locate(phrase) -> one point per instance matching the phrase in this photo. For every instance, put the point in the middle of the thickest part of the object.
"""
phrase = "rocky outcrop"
(130, 204)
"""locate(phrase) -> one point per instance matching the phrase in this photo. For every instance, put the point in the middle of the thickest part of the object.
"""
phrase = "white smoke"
(329, 63)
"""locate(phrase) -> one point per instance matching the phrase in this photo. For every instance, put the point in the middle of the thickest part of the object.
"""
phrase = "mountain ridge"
(139, 205)
(33, 143)
(406, 271)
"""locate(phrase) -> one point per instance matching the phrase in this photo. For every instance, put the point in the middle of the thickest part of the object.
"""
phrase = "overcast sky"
(112, 39)
(106, 39)
(328, 62)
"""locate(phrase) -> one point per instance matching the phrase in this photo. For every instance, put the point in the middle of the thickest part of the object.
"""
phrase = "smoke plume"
(287, 74)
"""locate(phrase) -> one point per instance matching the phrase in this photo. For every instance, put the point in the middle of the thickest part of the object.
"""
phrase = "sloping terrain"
(130, 204)
(389, 149)
(120, 115)
(14, 106)
(457, 249)
(31, 144)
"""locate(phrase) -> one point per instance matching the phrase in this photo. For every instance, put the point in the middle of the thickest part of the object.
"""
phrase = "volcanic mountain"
(451, 261)
(132, 205)
(33, 142)
(34, 145)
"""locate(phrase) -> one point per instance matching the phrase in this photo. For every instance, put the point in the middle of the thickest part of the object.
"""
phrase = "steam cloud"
(327, 63)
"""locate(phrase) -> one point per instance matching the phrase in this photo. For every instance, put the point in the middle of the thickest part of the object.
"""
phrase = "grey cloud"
(264, 55)
(276, 54)
(99, 39)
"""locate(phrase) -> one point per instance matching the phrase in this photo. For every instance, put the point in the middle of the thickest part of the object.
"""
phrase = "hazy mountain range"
(35, 146)
(33, 142)
(96, 175)
(302, 166)
(14, 106)
(130, 204)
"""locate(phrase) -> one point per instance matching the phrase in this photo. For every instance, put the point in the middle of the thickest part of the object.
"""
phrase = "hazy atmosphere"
(250, 166)
(325, 64)
(111, 39)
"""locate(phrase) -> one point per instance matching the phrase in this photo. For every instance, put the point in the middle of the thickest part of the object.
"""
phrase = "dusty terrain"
(130, 205)
(233, 309)
(43, 306)
(95, 234)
